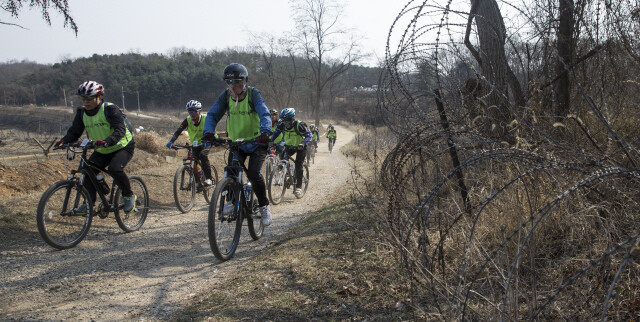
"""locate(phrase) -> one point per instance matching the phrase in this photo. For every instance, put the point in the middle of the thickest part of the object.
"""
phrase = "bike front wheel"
(305, 180)
(207, 191)
(277, 184)
(254, 220)
(62, 222)
(224, 220)
(133, 220)
(184, 188)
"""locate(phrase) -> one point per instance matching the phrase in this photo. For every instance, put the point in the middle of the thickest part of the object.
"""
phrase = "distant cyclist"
(194, 123)
(331, 134)
(296, 137)
(279, 145)
(105, 125)
(315, 136)
(248, 118)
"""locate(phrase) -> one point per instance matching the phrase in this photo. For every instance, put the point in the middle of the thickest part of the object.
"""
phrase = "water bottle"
(102, 185)
(247, 191)
(291, 170)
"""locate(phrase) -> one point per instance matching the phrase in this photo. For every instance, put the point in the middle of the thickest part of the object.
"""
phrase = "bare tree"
(278, 63)
(565, 46)
(13, 7)
(323, 45)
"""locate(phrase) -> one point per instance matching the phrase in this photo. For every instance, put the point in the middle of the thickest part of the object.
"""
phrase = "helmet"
(235, 70)
(194, 105)
(273, 111)
(90, 89)
(312, 126)
(288, 113)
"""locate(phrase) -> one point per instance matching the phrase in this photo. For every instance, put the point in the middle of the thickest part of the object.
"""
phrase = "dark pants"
(300, 156)
(202, 153)
(256, 159)
(116, 162)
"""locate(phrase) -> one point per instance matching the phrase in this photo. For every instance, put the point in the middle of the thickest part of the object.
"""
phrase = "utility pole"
(122, 90)
(65, 97)
(138, 94)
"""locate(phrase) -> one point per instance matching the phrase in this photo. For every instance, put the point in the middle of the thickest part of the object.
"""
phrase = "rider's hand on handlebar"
(101, 143)
(170, 144)
(59, 144)
(263, 138)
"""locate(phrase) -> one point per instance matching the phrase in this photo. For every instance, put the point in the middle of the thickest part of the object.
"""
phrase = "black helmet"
(234, 71)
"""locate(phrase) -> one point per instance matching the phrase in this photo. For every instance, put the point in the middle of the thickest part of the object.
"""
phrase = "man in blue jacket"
(248, 118)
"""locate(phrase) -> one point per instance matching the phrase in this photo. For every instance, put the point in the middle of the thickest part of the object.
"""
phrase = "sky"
(156, 26)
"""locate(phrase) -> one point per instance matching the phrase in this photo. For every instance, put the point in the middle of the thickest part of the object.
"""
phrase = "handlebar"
(237, 143)
(86, 144)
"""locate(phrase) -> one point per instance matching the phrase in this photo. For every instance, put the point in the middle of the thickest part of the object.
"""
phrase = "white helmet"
(194, 105)
(90, 89)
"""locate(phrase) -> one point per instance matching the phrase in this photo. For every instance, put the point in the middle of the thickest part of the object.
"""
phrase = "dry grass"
(149, 141)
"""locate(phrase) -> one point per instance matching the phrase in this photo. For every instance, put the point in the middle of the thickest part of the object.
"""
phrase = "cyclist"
(331, 134)
(105, 124)
(315, 136)
(248, 118)
(279, 145)
(296, 137)
(194, 123)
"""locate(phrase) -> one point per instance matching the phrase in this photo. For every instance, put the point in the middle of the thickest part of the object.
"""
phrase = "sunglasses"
(192, 111)
(233, 81)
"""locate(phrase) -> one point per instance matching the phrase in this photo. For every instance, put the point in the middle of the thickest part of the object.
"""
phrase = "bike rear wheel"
(254, 220)
(59, 223)
(133, 220)
(207, 191)
(277, 184)
(184, 188)
(224, 226)
(305, 180)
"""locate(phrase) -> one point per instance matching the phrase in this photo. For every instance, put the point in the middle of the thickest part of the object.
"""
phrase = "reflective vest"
(98, 128)
(332, 134)
(195, 131)
(243, 121)
(280, 136)
(292, 136)
(315, 135)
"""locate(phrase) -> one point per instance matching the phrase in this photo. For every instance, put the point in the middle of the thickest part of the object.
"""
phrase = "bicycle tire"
(254, 220)
(305, 180)
(63, 230)
(133, 220)
(184, 193)
(277, 184)
(207, 191)
(224, 229)
(269, 165)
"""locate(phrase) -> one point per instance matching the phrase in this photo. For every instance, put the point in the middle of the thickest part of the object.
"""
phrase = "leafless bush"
(499, 205)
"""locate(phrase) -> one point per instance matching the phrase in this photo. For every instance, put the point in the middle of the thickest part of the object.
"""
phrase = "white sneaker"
(265, 213)
(297, 192)
(208, 182)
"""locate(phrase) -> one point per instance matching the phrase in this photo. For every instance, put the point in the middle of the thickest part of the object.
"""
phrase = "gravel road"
(149, 274)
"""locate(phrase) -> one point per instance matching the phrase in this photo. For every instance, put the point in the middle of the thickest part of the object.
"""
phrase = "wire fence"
(530, 217)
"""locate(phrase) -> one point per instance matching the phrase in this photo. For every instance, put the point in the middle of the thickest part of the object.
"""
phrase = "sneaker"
(265, 213)
(208, 183)
(129, 203)
(297, 192)
(227, 210)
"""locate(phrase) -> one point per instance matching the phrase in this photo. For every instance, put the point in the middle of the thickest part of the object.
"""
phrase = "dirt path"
(148, 274)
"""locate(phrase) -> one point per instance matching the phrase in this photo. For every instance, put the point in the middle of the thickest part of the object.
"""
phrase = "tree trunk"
(564, 60)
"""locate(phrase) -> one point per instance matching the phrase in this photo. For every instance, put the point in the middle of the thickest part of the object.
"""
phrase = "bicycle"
(284, 177)
(331, 143)
(311, 153)
(232, 202)
(271, 160)
(189, 180)
(62, 221)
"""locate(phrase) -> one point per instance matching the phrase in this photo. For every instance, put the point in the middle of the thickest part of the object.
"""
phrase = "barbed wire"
(494, 200)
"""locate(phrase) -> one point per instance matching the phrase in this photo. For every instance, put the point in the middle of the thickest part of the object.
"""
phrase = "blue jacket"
(219, 108)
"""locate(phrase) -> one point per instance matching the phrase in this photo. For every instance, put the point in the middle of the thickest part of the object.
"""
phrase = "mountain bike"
(311, 153)
(283, 177)
(331, 143)
(232, 201)
(271, 161)
(189, 180)
(65, 209)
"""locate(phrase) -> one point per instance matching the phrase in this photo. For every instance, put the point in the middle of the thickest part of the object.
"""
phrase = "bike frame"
(86, 170)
